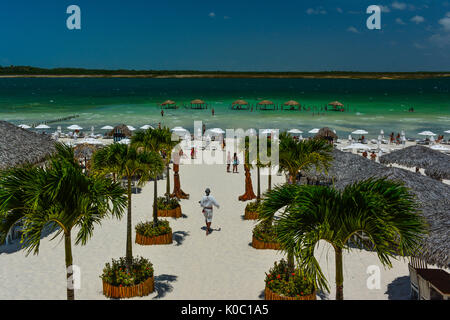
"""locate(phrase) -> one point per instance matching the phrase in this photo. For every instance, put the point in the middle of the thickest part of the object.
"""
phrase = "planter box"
(258, 244)
(270, 295)
(139, 290)
(173, 213)
(250, 215)
(162, 239)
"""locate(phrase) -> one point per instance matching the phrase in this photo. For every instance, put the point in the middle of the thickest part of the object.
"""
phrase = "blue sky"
(227, 35)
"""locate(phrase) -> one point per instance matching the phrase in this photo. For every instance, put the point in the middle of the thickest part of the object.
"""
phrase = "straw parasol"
(435, 163)
(237, 105)
(19, 146)
(292, 103)
(120, 128)
(198, 104)
(169, 104)
(326, 133)
(432, 196)
(265, 103)
(335, 104)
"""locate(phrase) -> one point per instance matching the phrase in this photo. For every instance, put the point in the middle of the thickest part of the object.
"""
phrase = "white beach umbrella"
(24, 126)
(180, 131)
(147, 126)
(216, 131)
(448, 131)
(74, 127)
(295, 131)
(107, 128)
(427, 133)
(125, 141)
(131, 128)
(315, 130)
(360, 131)
(42, 126)
(267, 131)
(357, 146)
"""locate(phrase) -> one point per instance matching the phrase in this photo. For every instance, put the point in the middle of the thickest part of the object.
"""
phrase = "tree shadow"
(261, 295)
(323, 295)
(183, 216)
(179, 237)
(399, 289)
(212, 229)
(15, 245)
(163, 285)
(136, 190)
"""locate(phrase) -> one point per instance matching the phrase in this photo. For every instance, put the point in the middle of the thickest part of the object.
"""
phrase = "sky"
(231, 35)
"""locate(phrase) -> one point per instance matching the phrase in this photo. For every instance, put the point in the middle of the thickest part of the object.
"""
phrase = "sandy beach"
(222, 265)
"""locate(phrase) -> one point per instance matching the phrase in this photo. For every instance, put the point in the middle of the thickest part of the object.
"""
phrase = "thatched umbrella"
(436, 163)
(337, 106)
(19, 146)
(84, 152)
(292, 104)
(433, 197)
(327, 133)
(237, 105)
(265, 103)
(198, 104)
(169, 104)
(123, 129)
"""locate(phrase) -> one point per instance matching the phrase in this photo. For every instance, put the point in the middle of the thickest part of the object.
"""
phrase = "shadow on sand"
(163, 285)
(15, 244)
(399, 289)
(212, 229)
(179, 237)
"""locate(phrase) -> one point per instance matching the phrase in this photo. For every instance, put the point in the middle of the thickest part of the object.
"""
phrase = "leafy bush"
(280, 281)
(117, 274)
(265, 231)
(147, 229)
(164, 204)
(253, 206)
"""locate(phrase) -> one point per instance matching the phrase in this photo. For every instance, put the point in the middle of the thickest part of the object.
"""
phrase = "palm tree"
(157, 141)
(127, 162)
(58, 197)
(244, 145)
(382, 210)
(302, 155)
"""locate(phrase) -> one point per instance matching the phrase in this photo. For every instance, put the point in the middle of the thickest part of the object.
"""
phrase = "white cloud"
(226, 17)
(440, 40)
(339, 10)
(318, 10)
(385, 9)
(445, 22)
(398, 5)
(399, 21)
(352, 29)
(212, 14)
(418, 19)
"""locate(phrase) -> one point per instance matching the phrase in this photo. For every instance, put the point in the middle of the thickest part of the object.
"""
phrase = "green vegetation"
(119, 273)
(265, 232)
(253, 206)
(167, 204)
(34, 71)
(148, 229)
(294, 284)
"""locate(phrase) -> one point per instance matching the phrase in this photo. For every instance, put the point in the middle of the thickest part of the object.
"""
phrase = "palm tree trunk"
(177, 192)
(270, 178)
(249, 194)
(69, 268)
(291, 263)
(155, 202)
(168, 181)
(339, 274)
(129, 248)
(258, 193)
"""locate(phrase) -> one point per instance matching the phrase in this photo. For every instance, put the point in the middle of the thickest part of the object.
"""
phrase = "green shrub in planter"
(290, 285)
(265, 231)
(164, 204)
(117, 274)
(253, 206)
(147, 229)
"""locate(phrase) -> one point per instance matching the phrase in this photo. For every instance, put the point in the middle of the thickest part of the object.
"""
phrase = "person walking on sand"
(235, 163)
(207, 204)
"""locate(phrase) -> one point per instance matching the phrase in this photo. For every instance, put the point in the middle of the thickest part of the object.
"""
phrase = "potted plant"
(147, 233)
(284, 285)
(251, 210)
(264, 236)
(123, 280)
(168, 207)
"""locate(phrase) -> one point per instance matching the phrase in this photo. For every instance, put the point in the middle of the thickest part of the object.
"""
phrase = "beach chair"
(414, 293)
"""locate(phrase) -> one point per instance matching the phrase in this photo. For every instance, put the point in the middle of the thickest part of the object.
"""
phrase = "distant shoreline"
(375, 76)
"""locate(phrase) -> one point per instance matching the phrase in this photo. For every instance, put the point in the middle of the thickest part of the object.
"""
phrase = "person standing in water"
(207, 204)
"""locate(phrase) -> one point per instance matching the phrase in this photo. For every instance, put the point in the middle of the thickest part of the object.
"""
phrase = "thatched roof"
(326, 133)
(197, 101)
(168, 102)
(265, 102)
(122, 128)
(19, 146)
(436, 163)
(433, 197)
(336, 104)
(291, 103)
(85, 150)
(240, 102)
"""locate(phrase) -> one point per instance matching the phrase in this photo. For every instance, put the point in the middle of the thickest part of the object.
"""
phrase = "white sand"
(222, 265)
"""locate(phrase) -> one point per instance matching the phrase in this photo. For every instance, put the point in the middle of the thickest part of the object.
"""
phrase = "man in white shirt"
(207, 204)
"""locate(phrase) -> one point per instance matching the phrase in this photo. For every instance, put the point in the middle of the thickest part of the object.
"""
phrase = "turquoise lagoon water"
(372, 104)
